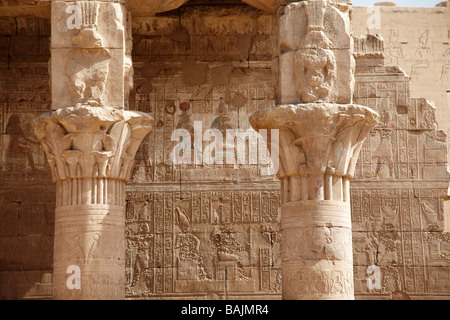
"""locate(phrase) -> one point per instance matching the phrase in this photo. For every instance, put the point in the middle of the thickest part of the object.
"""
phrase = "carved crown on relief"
(88, 37)
(313, 24)
(91, 142)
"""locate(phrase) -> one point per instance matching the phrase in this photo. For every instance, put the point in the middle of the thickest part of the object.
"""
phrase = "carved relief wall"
(27, 194)
(399, 188)
(196, 231)
(417, 40)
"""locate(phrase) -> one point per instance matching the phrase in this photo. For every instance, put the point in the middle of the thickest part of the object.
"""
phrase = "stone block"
(9, 217)
(7, 26)
(93, 77)
(106, 19)
(323, 67)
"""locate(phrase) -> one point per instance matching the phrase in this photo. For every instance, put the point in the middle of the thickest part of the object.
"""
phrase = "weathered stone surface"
(234, 213)
(236, 222)
(314, 37)
(417, 40)
(398, 193)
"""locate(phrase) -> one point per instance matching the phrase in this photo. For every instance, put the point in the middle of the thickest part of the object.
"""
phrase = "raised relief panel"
(22, 157)
(204, 248)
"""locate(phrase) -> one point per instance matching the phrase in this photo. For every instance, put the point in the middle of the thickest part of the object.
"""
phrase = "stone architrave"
(90, 142)
(321, 134)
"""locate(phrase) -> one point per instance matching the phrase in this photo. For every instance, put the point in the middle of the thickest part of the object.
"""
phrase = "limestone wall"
(197, 231)
(398, 194)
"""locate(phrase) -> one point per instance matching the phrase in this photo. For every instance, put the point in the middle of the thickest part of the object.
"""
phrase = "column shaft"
(316, 250)
(321, 130)
(90, 142)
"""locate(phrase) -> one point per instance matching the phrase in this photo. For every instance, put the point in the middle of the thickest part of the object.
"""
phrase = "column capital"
(88, 142)
(317, 138)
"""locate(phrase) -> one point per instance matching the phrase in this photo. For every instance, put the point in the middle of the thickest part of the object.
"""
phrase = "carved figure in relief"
(141, 265)
(315, 74)
(326, 244)
(222, 122)
(391, 279)
(144, 213)
(386, 253)
(227, 248)
(189, 251)
(422, 54)
(386, 119)
(321, 239)
(188, 244)
(429, 215)
(222, 213)
(367, 248)
(87, 66)
(315, 62)
(163, 172)
(144, 229)
(182, 220)
(446, 64)
(142, 174)
(19, 143)
(394, 50)
(216, 216)
(184, 120)
(384, 156)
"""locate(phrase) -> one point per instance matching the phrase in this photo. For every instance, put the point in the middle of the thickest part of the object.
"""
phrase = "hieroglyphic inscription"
(177, 243)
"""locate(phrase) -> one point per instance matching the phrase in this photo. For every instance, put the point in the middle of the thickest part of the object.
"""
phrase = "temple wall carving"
(417, 40)
(196, 231)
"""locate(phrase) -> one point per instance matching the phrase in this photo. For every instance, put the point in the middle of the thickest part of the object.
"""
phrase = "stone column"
(90, 141)
(321, 133)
